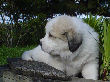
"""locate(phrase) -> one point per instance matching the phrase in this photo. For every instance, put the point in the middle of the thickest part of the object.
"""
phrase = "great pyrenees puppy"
(70, 45)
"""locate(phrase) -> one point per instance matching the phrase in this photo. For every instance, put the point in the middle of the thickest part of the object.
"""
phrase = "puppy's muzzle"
(40, 43)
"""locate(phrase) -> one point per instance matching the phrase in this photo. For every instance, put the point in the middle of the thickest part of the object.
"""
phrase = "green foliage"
(102, 26)
(31, 32)
(97, 24)
(24, 33)
(25, 9)
(4, 34)
(106, 55)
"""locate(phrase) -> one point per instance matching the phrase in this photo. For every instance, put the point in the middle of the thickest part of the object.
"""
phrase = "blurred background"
(22, 22)
(22, 25)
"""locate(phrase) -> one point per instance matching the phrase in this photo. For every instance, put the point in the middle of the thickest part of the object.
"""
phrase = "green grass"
(6, 52)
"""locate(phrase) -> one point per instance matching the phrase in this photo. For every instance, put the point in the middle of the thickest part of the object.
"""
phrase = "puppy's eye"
(50, 35)
(64, 33)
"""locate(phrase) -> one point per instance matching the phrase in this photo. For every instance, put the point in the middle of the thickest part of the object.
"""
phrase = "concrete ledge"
(9, 76)
(19, 70)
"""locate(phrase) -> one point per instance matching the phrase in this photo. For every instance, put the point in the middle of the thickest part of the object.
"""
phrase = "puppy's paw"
(27, 56)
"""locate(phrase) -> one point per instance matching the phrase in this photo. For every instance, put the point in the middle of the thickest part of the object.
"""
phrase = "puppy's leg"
(90, 71)
(37, 54)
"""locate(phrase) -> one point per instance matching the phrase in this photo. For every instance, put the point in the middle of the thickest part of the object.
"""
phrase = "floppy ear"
(74, 40)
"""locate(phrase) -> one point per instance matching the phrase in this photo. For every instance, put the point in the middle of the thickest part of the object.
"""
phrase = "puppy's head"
(61, 35)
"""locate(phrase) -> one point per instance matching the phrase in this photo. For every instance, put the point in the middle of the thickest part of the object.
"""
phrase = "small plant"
(106, 55)
(102, 26)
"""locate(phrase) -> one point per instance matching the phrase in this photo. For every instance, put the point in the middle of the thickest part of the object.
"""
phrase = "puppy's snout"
(40, 43)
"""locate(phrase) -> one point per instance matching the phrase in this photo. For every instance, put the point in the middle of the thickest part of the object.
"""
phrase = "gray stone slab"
(75, 79)
(9, 76)
(19, 70)
(1, 79)
(36, 69)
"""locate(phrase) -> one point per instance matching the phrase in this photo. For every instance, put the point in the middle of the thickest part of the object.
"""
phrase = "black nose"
(40, 43)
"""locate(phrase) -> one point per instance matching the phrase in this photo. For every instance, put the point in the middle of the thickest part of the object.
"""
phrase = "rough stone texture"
(19, 70)
(84, 80)
(36, 69)
(9, 76)
(2, 69)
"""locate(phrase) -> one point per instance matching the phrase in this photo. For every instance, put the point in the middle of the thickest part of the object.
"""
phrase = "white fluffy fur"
(55, 52)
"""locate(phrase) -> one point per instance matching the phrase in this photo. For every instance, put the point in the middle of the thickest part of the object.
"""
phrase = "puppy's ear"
(74, 40)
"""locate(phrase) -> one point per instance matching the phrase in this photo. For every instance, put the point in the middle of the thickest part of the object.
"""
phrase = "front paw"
(27, 56)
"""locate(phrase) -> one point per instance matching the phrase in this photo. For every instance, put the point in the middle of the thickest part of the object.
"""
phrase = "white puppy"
(69, 45)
